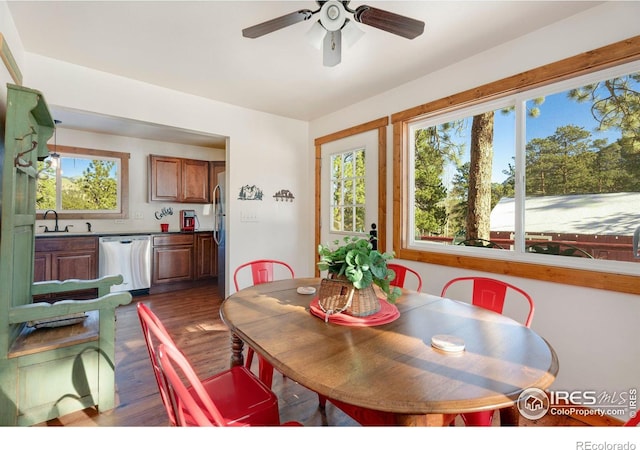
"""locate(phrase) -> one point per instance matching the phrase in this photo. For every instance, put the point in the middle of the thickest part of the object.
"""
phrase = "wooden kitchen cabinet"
(64, 258)
(206, 256)
(173, 258)
(178, 180)
(165, 178)
(195, 181)
(215, 167)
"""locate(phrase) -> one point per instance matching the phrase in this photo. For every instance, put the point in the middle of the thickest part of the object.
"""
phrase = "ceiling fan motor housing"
(332, 15)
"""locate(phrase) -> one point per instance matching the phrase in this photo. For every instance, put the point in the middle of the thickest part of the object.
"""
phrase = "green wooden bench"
(45, 372)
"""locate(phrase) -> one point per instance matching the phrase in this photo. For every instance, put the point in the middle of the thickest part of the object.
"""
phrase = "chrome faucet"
(55, 229)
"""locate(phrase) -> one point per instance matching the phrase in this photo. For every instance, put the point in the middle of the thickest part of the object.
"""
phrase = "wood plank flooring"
(192, 317)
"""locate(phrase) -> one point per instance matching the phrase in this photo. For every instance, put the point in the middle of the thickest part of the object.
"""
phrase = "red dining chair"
(154, 334)
(489, 293)
(262, 271)
(239, 395)
(231, 398)
(401, 275)
(634, 421)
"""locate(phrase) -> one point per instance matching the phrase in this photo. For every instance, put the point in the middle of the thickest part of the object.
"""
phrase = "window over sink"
(83, 183)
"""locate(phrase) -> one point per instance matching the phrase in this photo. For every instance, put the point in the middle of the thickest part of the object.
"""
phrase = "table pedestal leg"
(237, 345)
(425, 420)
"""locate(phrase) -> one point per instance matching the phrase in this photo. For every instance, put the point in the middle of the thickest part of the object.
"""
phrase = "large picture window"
(79, 183)
(547, 175)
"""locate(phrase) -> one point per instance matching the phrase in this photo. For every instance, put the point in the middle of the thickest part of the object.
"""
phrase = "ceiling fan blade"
(387, 21)
(332, 48)
(276, 24)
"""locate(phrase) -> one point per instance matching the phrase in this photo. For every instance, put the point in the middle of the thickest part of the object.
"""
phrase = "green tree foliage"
(556, 164)
(95, 189)
(614, 104)
(46, 186)
(430, 212)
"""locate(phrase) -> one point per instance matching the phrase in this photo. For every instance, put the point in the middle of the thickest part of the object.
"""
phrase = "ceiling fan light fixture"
(351, 33)
(331, 49)
(316, 34)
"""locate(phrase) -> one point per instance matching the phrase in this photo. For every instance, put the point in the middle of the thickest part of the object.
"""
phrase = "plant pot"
(365, 302)
(335, 293)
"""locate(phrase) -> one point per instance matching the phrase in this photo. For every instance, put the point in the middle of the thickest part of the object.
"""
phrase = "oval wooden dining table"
(393, 367)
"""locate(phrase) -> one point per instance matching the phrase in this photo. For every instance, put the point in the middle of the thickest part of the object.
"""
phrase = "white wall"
(10, 35)
(592, 331)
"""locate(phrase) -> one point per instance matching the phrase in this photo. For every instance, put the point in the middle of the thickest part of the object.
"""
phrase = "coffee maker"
(187, 220)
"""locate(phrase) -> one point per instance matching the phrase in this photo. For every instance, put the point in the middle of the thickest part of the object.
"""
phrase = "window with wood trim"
(540, 176)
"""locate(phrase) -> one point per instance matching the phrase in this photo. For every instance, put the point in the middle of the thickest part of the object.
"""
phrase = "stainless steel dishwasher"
(129, 256)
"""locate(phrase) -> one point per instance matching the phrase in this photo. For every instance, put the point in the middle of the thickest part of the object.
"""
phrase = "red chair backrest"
(198, 408)
(633, 422)
(490, 293)
(156, 334)
(401, 275)
(261, 271)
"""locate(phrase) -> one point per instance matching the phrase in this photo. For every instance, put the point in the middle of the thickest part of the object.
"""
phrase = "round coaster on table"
(447, 343)
(306, 290)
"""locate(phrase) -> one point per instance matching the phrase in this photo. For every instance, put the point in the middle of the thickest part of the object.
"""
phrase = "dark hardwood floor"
(192, 317)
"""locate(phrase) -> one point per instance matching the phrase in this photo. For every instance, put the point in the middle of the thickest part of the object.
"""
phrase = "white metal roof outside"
(596, 214)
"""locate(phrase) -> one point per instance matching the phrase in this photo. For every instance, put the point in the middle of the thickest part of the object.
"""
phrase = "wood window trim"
(602, 58)
(124, 183)
(381, 125)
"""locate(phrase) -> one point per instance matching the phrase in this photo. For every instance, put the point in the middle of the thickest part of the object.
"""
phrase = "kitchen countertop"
(112, 233)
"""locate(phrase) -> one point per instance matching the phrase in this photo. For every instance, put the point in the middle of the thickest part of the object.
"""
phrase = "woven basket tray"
(336, 296)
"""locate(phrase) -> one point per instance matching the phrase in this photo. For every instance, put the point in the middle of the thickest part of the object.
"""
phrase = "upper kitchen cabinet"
(178, 180)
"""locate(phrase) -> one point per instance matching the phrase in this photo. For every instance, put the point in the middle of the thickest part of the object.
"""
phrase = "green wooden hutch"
(45, 372)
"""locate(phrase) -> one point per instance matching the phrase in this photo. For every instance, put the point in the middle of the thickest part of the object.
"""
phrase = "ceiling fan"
(333, 21)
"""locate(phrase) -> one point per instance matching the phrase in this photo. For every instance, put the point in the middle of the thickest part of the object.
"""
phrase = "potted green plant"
(358, 262)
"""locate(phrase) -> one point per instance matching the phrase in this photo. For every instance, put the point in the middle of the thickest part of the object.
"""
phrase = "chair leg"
(265, 371)
(322, 402)
(478, 419)
(249, 359)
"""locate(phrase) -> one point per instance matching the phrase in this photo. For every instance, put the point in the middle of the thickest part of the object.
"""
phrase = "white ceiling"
(197, 47)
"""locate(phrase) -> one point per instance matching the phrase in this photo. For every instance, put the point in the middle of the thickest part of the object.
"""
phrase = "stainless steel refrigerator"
(219, 230)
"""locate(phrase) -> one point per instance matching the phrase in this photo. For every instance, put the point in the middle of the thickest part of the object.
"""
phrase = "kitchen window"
(526, 174)
(83, 183)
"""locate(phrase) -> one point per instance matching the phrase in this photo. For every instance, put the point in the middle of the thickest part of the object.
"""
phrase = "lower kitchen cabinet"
(64, 258)
(206, 256)
(173, 258)
(180, 257)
